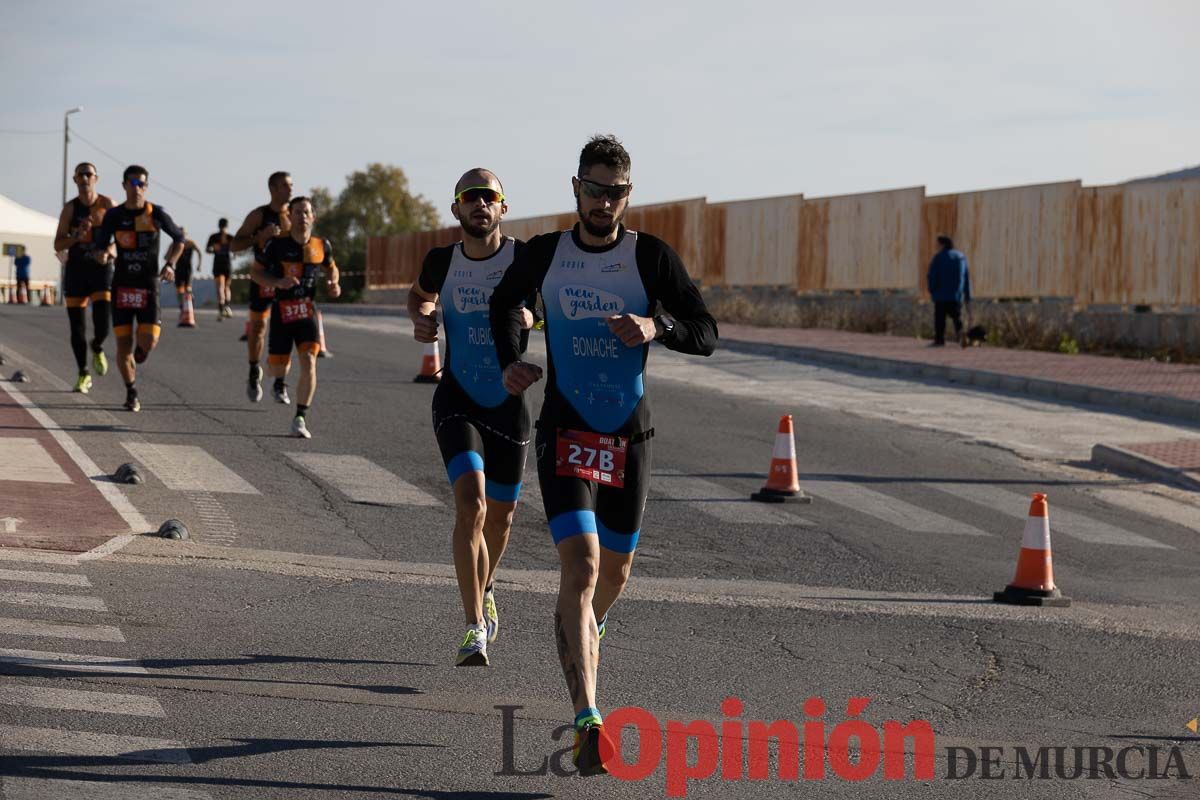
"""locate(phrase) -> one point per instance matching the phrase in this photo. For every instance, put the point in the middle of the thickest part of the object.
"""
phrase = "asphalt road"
(300, 645)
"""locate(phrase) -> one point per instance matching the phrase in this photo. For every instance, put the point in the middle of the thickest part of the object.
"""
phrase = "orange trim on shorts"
(278, 360)
(260, 316)
(155, 330)
(309, 347)
(78, 302)
(122, 330)
(105, 297)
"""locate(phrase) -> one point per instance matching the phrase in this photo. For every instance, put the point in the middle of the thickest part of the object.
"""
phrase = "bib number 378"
(595, 457)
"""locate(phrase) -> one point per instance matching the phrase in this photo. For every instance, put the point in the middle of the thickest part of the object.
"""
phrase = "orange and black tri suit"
(85, 278)
(260, 296)
(135, 278)
(293, 312)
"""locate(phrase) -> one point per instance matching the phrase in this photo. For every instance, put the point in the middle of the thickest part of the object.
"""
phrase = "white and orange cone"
(1033, 584)
(783, 481)
(431, 365)
(187, 311)
(46, 291)
(324, 351)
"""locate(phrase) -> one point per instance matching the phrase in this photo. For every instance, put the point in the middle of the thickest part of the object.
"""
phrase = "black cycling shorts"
(260, 303)
(87, 279)
(301, 334)
(124, 314)
(222, 267)
(472, 438)
(576, 506)
(183, 276)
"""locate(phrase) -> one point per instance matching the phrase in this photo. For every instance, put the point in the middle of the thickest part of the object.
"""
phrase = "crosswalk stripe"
(39, 557)
(1069, 523)
(33, 576)
(718, 501)
(86, 743)
(56, 789)
(56, 630)
(363, 481)
(188, 468)
(891, 510)
(23, 459)
(76, 602)
(75, 700)
(70, 661)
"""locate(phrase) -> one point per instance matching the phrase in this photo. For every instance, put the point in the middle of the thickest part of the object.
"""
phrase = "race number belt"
(132, 298)
(295, 310)
(266, 291)
(596, 457)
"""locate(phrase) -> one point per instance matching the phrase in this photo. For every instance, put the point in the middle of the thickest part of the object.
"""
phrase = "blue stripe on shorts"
(502, 492)
(572, 523)
(464, 462)
(618, 542)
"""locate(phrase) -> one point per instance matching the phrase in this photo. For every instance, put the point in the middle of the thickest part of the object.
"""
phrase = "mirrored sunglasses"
(614, 192)
(474, 193)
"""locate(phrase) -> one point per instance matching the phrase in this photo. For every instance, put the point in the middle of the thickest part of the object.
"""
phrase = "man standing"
(219, 245)
(23, 263)
(950, 287)
(183, 281)
(84, 280)
(481, 429)
(289, 266)
(136, 225)
(261, 226)
(600, 284)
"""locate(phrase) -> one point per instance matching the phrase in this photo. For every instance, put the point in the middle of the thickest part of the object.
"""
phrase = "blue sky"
(725, 100)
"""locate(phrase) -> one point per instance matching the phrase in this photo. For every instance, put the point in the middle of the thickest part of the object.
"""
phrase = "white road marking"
(76, 602)
(1062, 521)
(718, 501)
(889, 509)
(363, 481)
(33, 576)
(55, 789)
(39, 557)
(10, 626)
(217, 526)
(85, 743)
(71, 661)
(24, 459)
(187, 468)
(1152, 505)
(75, 700)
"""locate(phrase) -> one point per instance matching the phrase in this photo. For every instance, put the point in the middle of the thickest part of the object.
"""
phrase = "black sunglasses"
(614, 192)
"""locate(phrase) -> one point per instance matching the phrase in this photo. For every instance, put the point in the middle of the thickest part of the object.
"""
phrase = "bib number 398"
(132, 298)
(595, 457)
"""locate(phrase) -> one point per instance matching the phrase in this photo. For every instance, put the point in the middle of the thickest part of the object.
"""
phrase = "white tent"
(35, 230)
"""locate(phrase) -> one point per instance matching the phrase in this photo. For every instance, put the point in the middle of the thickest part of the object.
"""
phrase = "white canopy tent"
(34, 230)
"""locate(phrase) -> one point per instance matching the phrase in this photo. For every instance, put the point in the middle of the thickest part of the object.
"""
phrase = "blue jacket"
(948, 279)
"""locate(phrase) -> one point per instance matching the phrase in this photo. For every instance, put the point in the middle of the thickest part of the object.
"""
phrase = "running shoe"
(586, 752)
(473, 650)
(100, 363)
(299, 429)
(254, 385)
(84, 384)
(281, 394)
(602, 625)
(132, 403)
(490, 617)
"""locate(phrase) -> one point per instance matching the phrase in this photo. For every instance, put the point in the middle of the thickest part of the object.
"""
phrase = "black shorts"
(183, 276)
(150, 314)
(222, 267)
(87, 279)
(260, 303)
(494, 441)
(281, 338)
(576, 506)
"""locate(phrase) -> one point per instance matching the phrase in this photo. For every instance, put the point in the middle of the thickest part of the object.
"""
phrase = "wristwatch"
(663, 327)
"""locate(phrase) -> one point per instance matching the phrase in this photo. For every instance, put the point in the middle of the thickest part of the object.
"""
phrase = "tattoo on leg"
(569, 667)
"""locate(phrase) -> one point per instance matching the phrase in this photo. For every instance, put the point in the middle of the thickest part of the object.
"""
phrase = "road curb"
(1118, 459)
(1157, 405)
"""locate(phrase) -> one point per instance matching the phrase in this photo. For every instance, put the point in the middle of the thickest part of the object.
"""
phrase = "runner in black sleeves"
(183, 279)
(218, 245)
(261, 226)
(291, 266)
(482, 430)
(135, 224)
(85, 280)
(600, 284)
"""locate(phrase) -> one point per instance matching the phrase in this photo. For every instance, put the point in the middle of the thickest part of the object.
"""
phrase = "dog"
(975, 336)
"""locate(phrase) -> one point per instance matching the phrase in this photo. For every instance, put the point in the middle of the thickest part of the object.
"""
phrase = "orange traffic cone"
(324, 351)
(187, 311)
(431, 365)
(46, 290)
(1034, 581)
(783, 481)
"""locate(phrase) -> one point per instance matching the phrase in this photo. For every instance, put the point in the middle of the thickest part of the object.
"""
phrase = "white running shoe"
(473, 650)
(299, 429)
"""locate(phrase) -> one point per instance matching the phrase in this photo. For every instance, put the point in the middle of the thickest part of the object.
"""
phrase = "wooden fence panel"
(1161, 242)
(762, 241)
(871, 240)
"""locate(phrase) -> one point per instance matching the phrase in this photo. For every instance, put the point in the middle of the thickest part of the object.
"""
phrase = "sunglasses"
(485, 193)
(614, 192)
(85, 175)
(137, 183)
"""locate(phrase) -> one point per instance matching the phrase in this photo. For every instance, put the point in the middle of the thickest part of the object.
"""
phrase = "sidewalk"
(1128, 385)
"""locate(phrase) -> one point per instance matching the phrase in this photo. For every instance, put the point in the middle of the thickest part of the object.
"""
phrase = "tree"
(375, 202)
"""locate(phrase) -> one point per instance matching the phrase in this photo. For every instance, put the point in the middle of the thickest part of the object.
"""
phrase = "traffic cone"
(187, 311)
(1034, 581)
(324, 351)
(783, 480)
(22, 296)
(46, 296)
(431, 365)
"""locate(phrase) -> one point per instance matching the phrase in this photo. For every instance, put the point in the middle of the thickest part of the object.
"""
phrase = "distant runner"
(222, 268)
(183, 281)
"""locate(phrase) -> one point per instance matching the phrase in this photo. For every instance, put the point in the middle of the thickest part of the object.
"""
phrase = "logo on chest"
(584, 302)
(470, 298)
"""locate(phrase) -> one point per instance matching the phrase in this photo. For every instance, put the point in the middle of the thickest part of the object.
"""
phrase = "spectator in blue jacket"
(950, 287)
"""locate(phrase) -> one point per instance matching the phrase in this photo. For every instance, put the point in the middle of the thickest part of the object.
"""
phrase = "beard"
(478, 231)
(601, 231)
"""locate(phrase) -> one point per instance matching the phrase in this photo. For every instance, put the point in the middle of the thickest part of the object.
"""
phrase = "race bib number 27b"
(596, 457)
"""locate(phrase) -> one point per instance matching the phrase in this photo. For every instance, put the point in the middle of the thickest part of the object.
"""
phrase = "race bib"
(266, 291)
(295, 310)
(132, 298)
(596, 457)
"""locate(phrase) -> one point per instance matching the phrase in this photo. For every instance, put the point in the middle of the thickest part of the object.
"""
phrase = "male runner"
(183, 278)
(260, 226)
(289, 266)
(482, 430)
(136, 225)
(218, 245)
(600, 284)
(85, 280)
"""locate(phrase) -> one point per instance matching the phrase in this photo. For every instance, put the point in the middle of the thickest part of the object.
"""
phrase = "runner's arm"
(104, 239)
(520, 281)
(244, 238)
(168, 225)
(423, 296)
(695, 330)
(63, 237)
(211, 247)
